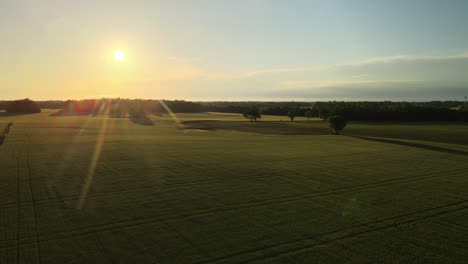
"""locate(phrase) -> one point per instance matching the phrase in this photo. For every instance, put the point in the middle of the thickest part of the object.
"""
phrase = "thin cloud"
(408, 58)
(333, 83)
(183, 59)
(403, 90)
(187, 70)
(358, 63)
(360, 76)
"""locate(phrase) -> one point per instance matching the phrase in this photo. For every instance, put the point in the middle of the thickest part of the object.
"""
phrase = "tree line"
(120, 107)
(392, 111)
(450, 111)
(25, 106)
(369, 111)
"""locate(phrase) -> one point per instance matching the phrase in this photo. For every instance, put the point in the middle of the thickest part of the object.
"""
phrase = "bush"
(25, 106)
(337, 123)
(138, 116)
(252, 117)
(253, 114)
(137, 112)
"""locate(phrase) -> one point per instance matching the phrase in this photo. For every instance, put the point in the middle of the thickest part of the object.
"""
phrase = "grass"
(160, 194)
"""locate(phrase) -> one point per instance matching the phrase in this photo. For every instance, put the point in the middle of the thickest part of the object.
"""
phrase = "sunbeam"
(92, 166)
(71, 148)
(169, 111)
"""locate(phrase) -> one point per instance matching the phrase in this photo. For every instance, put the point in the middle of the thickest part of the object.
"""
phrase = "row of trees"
(267, 108)
(121, 107)
(451, 111)
(336, 122)
(374, 111)
(24, 106)
(391, 111)
(255, 113)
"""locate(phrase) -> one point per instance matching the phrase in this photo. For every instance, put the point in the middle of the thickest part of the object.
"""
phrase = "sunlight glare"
(119, 55)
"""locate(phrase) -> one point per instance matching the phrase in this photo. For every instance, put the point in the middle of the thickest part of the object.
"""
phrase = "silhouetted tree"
(309, 114)
(337, 123)
(25, 106)
(292, 114)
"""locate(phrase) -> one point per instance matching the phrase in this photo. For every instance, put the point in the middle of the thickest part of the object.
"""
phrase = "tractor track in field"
(197, 212)
(18, 223)
(253, 204)
(334, 236)
(293, 246)
(337, 169)
(167, 186)
(42, 179)
(194, 183)
(36, 232)
(129, 191)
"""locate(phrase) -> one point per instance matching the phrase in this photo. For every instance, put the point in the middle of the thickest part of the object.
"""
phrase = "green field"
(101, 190)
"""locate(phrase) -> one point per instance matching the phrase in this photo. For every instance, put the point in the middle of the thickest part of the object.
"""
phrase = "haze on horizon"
(235, 50)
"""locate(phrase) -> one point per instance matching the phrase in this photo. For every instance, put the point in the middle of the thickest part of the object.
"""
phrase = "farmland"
(215, 188)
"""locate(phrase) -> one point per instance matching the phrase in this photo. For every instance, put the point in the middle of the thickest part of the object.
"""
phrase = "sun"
(119, 55)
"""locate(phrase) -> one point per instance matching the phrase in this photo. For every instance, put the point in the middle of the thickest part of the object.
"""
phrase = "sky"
(412, 50)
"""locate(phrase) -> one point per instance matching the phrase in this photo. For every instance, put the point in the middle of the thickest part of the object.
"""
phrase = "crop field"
(447, 133)
(219, 189)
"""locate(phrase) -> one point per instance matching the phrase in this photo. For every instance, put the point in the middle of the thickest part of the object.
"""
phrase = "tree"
(337, 123)
(253, 114)
(292, 114)
(138, 115)
(25, 106)
(463, 114)
(324, 114)
(309, 114)
(136, 111)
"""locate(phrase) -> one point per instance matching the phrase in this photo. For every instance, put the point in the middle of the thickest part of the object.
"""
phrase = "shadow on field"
(143, 121)
(260, 127)
(5, 114)
(415, 145)
(62, 113)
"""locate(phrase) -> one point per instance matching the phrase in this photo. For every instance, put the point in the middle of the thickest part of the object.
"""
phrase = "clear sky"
(235, 50)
